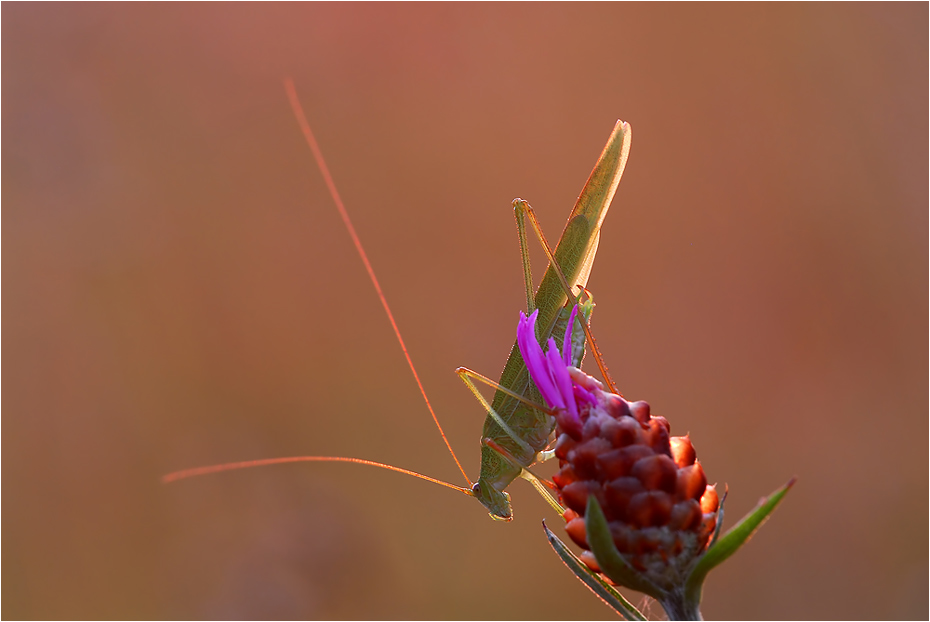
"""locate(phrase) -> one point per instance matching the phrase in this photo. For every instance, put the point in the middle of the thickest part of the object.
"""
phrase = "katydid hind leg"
(520, 216)
(567, 288)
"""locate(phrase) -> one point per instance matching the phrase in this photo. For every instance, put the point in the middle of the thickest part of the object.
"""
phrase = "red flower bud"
(709, 501)
(568, 424)
(616, 406)
(577, 531)
(650, 508)
(682, 450)
(622, 432)
(619, 462)
(618, 493)
(565, 476)
(576, 494)
(657, 472)
(640, 411)
(657, 435)
(691, 482)
(686, 516)
(584, 457)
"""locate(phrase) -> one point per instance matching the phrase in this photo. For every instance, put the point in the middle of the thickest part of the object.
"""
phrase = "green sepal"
(731, 541)
(592, 580)
(719, 527)
(608, 557)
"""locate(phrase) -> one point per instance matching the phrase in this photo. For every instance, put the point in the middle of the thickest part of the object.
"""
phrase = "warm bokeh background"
(180, 291)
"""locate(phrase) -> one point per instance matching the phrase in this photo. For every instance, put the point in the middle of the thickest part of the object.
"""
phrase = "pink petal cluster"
(550, 371)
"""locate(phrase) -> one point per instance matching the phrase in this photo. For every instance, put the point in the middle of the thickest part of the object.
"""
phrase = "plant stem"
(678, 607)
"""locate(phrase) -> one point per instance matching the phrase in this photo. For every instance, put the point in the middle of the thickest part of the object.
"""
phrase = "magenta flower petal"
(535, 360)
(567, 341)
(583, 395)
(560, 378)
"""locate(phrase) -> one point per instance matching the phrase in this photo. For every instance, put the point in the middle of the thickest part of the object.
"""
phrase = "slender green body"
(575, 255)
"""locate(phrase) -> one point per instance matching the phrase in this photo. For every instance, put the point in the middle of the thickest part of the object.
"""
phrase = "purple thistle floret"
(567, 340)
(550, 371)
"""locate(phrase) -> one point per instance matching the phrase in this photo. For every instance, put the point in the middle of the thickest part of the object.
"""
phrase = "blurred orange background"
(180, 291)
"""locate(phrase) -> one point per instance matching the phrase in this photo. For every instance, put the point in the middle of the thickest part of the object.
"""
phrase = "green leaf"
(731, 541)
(592, 580)
(612, 563)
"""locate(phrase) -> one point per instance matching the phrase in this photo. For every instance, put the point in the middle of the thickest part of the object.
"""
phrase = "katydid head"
(496, 501)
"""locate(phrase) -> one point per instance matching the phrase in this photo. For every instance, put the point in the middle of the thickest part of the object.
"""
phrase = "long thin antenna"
(318, 155)
(217, 468)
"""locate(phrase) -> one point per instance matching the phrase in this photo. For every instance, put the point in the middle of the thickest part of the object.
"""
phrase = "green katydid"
(517, 428)
(506, 455)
